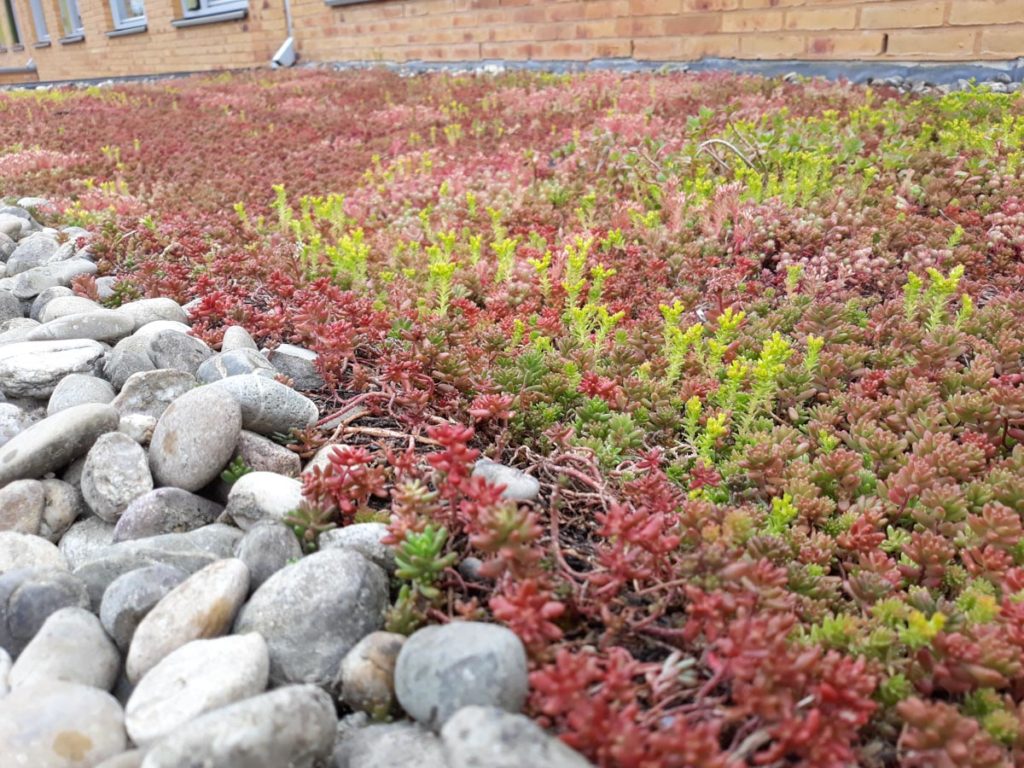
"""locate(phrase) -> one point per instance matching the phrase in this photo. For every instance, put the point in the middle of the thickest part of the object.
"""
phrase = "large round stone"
(55, 441)
(150, 392)
(32, 251)
(30, 225)
(292, 726)
(492, 737)
(202, 606)
(14, 420)
(45, 297)
(235, 363)
(366, 679)
(77, 389)
(268, 407)
(132, 595)
(21, 506)
(194, 439)
(60, 725)
(138, 427)
(364, 538)
(236, 337)
(170, 349)
(519, 486)
(29, 596)
(259, 496)
(261, 454)
(442, 669)
(298, 364)
(200, 676)
(101, 325)
(33, 205)
(34, 368)
(16, 329)
(190, 551)
(62, 504)
(390, 745)
(165, 510)
(10, 307)
(31, 283)
(145, 311)
(322, 458)
(70, 646)
(85, 539)
(153, 327)
(23, 550)
(7, 247)
(11, 226)
(61, 306)
(116, 473)
(129, 356)
(314, 611)
(266, 548)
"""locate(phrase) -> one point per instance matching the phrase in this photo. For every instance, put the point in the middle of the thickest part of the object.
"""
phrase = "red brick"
(701, 6)
(752, 21)
(771, 46)
(606, 9)
(845, 45)
(903, 15)
(1006, 42)
(769, 3)
(672, 26)
(512, 51)
(686, 48)
(821, 18)
(933, 43)
(654, 7)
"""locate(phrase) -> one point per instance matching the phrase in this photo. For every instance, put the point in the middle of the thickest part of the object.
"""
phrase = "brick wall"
(458, 30)
(664, 29)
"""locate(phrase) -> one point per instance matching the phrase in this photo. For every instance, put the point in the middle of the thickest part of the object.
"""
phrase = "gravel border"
(1003, 76)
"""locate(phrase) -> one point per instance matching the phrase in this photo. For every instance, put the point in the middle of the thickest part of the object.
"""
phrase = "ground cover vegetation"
(761, 343)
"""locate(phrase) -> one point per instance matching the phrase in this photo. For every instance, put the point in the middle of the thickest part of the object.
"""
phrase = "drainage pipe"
(288, 17)
(285, 56)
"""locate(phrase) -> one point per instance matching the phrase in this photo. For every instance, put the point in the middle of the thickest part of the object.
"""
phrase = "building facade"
(52, 40)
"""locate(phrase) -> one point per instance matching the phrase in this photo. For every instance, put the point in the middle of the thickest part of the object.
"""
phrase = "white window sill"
(134, 29)
(210, 18)
(42, 44)
(78, 37)
(336, 3)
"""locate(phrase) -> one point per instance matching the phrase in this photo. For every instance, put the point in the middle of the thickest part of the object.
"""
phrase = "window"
(70, 19)
(128, 13)
(42, 33)
(211, 7)
(12, 23)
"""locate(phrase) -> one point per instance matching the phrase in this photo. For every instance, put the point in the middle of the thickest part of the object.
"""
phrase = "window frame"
(17, 43)
(213, 7)
(74, 16)
(39, 20)
(128, 22)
